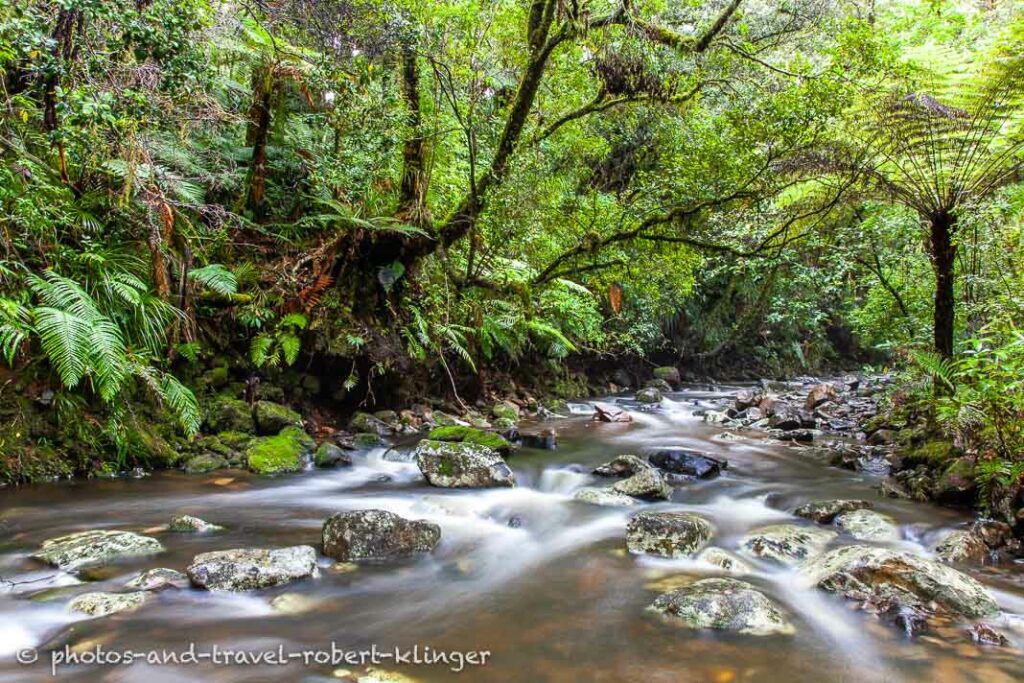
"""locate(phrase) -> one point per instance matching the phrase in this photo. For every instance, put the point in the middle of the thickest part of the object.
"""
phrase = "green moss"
(225, 413)
(235, 439)
(470, 435)
(367, 440)
(506, 410)
(207, 462)
(36, 464)
(271, 418)
(933, 453)
(285, 452)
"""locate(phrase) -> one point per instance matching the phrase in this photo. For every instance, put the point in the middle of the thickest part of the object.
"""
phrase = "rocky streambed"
(674, 534)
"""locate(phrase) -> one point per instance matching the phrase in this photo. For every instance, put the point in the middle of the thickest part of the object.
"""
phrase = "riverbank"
(585, 584)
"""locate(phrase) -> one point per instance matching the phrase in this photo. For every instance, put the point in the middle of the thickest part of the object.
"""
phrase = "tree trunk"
(257, 137)
(412, 201)
(943, 248)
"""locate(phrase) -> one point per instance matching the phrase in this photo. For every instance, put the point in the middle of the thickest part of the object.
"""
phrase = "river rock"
(190, 524)
(604, 412)
(692, 463)
(785, 418)
(668, 534)
(90, 548)
(328, 455)
(962, 546)
(725, 560)
(545, 440)
(603, 496)
(271, 418)
(506, 410)
(623, 466)
(377, 535)
(649, 395)
(102, 604)
(819, 394)
(892, 580)
(725, 605)
(246, 569)
(472, 435)
(462, 465)
(787, 544)
(668, 374)
(286, 452)
(366, 423)
(824, 511)
(227, 414)
(158, 579)
(868, 525)
(205, 462)
(646, 484)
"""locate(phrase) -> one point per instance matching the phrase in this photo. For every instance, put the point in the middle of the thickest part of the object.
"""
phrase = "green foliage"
(283, 344)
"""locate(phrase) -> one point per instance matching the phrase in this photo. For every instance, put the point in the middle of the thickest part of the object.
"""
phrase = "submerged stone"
(725, 605)
(244, 569)
(90, 548)
(189, 524)
(377, 535)
(668, 534)
(158, 579)
(102, 604)
(787, 544)
(623, 466)
(603, 496)
(684, 461)
(725, 560)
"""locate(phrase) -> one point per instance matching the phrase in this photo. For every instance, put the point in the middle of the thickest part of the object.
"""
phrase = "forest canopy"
(398, 188)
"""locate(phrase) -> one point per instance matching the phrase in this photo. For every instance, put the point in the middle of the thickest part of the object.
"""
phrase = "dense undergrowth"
(346, 204)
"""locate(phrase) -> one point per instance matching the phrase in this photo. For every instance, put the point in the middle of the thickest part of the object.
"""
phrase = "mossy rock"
(271, 418)
(957, 485)
(285, 452)
(933, 453)
(503, 424)
(207, 462)
(506, 410)
(365, 441)
(156, 451)
(471, 435)
(218, 377)
(214, 445)
(235, 440)
(329, 455)
(228, 414)
(366, 423)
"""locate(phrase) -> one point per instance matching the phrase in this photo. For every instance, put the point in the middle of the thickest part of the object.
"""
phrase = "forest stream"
(541, 581)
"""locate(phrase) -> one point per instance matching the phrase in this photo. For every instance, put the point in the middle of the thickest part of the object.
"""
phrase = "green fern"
(216, 278)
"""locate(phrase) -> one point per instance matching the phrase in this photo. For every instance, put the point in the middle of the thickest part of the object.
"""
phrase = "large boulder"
(457, 434)
(462, 465)
(894, 581)
(227, 414)
(684, 461)
(668, 534)
(204, 463)
(603, 496)
(787, 544)
(102, 604)
(246, 569)
(786, 418)
(377, 535)
(645, 484)
(724, 605)
(286, 452)
(271, 418)
(91, 548)
(868, 525)
(622, 466)
(668, 374)
(824, 511)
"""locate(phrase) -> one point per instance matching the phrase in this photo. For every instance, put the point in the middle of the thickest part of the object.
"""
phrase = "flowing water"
(542, 582)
